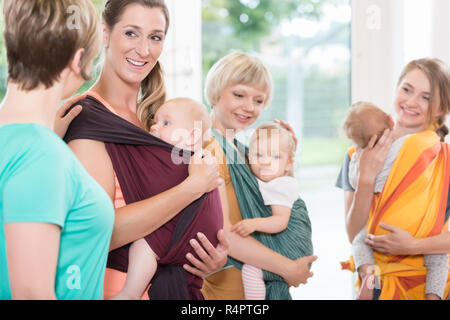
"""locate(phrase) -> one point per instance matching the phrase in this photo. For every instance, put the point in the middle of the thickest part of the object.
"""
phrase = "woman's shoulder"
(213, 146)
(216, 150)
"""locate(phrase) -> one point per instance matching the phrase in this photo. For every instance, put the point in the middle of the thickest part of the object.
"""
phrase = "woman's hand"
(289, 128)
(212, 259)
(204, 172)
(373, 156)
(63, 121)
(298, 272)
(397, 242)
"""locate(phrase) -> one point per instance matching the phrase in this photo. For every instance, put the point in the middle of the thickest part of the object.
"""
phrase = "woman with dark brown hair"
(129, 90)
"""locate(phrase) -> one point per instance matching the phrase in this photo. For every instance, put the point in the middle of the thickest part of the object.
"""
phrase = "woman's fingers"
(385, 140)
(372, 142)
(64, 118)
(211, 259)
(211, 252)
(223, 245)
(204, 171)
(68, 103)
(289, 128)
(193, 270)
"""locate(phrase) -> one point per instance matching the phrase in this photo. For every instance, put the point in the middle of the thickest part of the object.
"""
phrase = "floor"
(326, 210)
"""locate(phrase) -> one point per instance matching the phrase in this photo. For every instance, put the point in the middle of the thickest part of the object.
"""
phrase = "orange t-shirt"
(225, 284)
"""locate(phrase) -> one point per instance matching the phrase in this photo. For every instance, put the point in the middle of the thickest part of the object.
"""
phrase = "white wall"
(386, 35)
(181, 58)
(376, 50)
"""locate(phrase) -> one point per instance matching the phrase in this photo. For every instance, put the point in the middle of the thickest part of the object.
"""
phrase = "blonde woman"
(238, 88)
(55, 220)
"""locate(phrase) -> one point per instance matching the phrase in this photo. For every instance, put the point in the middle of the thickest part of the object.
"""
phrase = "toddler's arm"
(437, 273)
(362, 253)
(274, 224)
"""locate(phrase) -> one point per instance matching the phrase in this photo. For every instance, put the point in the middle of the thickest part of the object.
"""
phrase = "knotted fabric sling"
(414, 198)
(145, 167)
(293, 242)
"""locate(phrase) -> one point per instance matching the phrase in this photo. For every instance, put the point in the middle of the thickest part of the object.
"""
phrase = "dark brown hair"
(153, 90)
(40, 41)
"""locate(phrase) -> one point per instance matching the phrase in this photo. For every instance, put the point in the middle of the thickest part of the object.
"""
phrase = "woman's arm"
(141, 218)
(358, 204)
(401, 242)
(277, 222)
(249, 250)
(32, 254)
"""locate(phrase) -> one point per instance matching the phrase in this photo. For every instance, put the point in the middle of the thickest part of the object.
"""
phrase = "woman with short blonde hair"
(238, 88)
(237, 68)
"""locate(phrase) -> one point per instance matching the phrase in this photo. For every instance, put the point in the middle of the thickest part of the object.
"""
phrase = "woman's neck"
(120, 95)
(35, 106)
(400, 131)
(229, 134)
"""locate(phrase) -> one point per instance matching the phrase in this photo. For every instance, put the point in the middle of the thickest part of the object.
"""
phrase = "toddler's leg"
(142, 266)
(254, 286)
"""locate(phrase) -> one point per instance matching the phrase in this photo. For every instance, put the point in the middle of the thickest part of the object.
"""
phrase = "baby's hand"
(244, 227)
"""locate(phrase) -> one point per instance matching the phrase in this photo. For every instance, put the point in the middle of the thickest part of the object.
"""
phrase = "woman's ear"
(106, 32)
(75, 64)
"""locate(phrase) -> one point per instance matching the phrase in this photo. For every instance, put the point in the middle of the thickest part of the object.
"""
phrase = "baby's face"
(173, 125)
(269, 157)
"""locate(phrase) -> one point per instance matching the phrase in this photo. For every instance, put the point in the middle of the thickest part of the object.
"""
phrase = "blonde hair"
(197, 111)
(153, 89)
(266, 131)
(363, 120)
(237, 68)
(438, 74)
(41, 39)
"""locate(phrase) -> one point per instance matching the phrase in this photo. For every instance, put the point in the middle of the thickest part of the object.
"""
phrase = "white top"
(282, 191)
(384, 173)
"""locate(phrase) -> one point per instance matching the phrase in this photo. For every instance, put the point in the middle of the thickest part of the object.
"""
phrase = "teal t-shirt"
(41, 180)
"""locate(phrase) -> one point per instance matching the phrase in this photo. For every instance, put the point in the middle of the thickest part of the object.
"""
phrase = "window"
(306, 47)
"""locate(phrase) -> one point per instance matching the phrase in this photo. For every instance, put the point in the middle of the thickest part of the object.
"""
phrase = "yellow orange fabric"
(414, 198)
(225, 284)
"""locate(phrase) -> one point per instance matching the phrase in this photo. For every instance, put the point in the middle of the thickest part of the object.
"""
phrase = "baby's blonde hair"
(196, 111)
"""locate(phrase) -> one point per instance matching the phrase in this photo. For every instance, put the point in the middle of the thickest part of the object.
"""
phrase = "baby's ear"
(196, 135)
(290, 164)
(391, 122)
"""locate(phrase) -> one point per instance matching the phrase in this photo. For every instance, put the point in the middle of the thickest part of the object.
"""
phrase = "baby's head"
(182, 122)
(364, 120)
(272, 152)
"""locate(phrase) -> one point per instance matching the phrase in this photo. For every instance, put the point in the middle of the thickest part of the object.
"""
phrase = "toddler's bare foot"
(367, 286)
